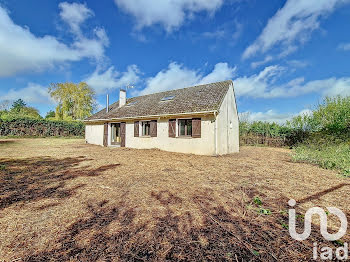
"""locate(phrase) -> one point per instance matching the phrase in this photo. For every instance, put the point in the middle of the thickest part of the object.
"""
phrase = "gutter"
(215, 112)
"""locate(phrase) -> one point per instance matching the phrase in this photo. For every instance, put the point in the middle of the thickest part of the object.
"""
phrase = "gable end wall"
(228, 125)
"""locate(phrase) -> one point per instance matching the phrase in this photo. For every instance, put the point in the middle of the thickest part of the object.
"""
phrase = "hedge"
(40, 128)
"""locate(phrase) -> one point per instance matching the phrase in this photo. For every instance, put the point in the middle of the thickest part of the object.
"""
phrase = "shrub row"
(40, 128)
(270, 134)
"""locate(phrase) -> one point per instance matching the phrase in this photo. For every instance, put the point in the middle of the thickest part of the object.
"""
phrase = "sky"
(284, 57)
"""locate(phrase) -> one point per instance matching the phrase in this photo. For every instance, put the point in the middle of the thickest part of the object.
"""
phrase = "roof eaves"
(153, 116)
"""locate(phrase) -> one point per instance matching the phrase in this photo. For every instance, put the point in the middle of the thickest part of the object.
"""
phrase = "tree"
(50, 114)
(18, 105)
(30, 112)
(5, 105)
(75, 101)
(20, 111)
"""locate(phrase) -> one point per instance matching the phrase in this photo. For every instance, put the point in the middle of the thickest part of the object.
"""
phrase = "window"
(167, 98)
(146, 127)
(185, 127)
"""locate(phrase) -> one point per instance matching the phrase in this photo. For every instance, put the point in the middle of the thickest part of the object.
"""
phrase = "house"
(201, 120)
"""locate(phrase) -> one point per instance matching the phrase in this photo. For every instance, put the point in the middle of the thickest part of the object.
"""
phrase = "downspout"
(216, 134)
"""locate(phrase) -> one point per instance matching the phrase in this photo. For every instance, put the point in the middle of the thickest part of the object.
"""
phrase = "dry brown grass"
(61, 199)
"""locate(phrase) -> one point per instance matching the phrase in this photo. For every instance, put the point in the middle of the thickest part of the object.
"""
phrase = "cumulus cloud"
(263, 85)
(292, 24)
(167, 13)
(111, 79)
(257, 85)
(21, 50)
(273, 116)
(32, 93)
(177, 76)
(74, 15)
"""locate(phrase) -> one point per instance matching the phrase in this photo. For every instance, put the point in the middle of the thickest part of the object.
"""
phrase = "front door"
(122, 134)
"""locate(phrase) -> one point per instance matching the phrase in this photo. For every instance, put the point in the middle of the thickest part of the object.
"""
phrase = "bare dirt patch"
(61, 199)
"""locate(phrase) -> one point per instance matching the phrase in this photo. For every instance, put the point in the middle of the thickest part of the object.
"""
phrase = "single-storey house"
(201, 120)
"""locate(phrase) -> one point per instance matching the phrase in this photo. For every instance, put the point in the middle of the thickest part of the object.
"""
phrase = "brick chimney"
(122, 97)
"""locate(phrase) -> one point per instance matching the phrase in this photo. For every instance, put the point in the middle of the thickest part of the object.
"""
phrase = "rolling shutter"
(172, 127)
(196, 128)
(153, 128)
(136, 129)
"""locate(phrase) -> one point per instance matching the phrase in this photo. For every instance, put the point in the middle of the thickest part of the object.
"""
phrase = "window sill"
(185, 137)
(145, 136)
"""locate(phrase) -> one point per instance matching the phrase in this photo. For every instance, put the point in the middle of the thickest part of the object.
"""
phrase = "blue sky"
(283, 56)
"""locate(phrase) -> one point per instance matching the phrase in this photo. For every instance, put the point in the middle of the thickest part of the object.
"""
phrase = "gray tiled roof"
(199, 98)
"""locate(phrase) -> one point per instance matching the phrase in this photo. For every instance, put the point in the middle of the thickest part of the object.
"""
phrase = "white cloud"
(176, 76)
(344, 46)
(222, 71)
(74, 15)
(168, 13)
(263, 85)
(292, 24)
(297, 63)
(262, 62)
(111, 79)
(21, 50)
(273, 116)
(231, 30)
(33, 94)
(257, 85)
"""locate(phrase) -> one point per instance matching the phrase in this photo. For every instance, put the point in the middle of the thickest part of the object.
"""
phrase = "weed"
(284, 225)
(264, 211)
(338, 242)
(257, 201)
(283, 212)
(256, 253)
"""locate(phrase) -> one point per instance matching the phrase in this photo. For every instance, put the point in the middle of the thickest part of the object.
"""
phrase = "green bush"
(328, 142)
(271, 134)
(40, 127)
(332, 116)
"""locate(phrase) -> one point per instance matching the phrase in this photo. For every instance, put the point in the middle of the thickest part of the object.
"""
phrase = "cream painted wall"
(94, 134)
(200, 146)
(228, 125)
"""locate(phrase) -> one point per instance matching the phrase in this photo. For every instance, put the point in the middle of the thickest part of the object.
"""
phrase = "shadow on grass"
(32, 179)
(223, 235)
